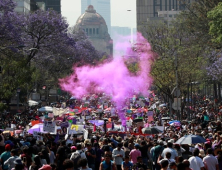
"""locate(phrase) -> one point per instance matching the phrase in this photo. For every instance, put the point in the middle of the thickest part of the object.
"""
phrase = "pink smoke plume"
(113, 78)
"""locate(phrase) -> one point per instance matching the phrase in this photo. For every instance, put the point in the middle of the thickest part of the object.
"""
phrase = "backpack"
(75, 158)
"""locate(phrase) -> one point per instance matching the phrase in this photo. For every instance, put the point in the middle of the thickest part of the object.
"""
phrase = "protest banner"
(150, 115)
(49, 126)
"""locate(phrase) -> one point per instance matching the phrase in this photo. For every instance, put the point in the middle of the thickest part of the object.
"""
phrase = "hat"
(137, 145)
(7, 147)
(18, 161)
(73, 147)
(202, 153)
(216, 151)
(94, 137)
(170, 141)
(45, 167)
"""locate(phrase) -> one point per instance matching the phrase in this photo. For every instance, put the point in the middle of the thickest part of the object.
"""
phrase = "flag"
(140, 129)
(94, 127)
(64, 119)
(56, 138)
(112, 125)
(74, 121)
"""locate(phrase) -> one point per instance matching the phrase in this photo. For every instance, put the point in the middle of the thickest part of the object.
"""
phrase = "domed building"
(96, 29)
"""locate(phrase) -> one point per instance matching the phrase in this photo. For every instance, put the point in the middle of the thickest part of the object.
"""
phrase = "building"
(168, 16)
(148, 9)
(96, 29)
(102, 7)
(37, 5)
(123, 31)
(23, 6)
(50, 4)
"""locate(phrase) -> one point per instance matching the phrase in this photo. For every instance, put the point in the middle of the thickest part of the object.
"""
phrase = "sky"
(71, 10)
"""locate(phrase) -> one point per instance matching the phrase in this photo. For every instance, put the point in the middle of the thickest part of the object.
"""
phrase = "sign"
(49, 126)
(150, 115)
(177, 93)
(177, 104)
(37, 136)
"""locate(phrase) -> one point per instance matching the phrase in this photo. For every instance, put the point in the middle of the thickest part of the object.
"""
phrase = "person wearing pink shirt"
(135, 153)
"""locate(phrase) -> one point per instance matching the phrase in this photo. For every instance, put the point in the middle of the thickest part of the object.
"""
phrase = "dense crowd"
(103, 151)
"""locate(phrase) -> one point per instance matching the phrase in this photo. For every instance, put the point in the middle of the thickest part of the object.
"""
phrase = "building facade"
(96, 29)
(49, 4)
(102, 7)
(23, 6)
(148, 9)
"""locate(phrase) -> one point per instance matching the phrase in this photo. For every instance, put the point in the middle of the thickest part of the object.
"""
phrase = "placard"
(150, 115)
(49, 126)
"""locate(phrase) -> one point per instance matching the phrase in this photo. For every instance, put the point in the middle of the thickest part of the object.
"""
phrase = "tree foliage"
(215, 17)
(38, 47)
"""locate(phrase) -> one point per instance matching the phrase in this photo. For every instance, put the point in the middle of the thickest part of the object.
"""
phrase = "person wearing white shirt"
(196, 162)
(10, 161)
(210, 161)
(118, 155)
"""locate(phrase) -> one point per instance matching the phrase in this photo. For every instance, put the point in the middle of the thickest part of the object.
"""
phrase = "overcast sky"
(71, 9)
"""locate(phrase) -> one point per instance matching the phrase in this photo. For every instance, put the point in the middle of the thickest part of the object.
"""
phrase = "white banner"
(49, 126)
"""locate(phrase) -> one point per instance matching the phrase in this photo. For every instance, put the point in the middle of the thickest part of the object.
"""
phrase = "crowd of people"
(119, 151)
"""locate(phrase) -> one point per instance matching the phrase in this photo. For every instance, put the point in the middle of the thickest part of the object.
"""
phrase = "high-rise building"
(36, 5)
(51, 4)
(148, 9)
(102, 7)
(23, 6)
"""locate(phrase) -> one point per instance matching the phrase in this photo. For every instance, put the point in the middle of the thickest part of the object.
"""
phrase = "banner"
(49, 126)
(150, 115)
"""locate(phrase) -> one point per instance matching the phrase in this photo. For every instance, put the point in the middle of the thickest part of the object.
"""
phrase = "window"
(86, 31)
(90, 31)
(170, 16)
(94, 31)
(97, 30)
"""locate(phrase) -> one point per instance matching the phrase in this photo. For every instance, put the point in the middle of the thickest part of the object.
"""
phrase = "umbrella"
(175, 124)
(137, 120)
(151, 130)
(162, 105)
(46, 109)
(166, 118)
(174, 121)
(37, 128)
(32, 103)
(191, 139)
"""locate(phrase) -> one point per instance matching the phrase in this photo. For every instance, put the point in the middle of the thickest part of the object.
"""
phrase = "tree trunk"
(219, 94)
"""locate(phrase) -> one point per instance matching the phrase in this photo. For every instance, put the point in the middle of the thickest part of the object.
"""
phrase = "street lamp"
(18, 91)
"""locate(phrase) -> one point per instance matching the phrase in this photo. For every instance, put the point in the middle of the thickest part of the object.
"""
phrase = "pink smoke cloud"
(113, 78)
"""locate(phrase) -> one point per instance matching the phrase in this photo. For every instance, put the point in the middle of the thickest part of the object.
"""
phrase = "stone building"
(96, 29)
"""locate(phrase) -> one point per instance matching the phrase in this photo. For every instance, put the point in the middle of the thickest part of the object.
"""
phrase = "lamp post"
(18, 91)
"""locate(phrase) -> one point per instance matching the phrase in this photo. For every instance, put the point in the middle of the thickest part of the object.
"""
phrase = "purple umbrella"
(37, 128)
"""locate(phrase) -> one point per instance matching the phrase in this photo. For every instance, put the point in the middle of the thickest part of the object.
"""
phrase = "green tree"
(215, 16)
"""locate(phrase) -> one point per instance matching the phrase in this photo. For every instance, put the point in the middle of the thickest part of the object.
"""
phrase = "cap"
(73, 147)
(7, 147)
(45, 167)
